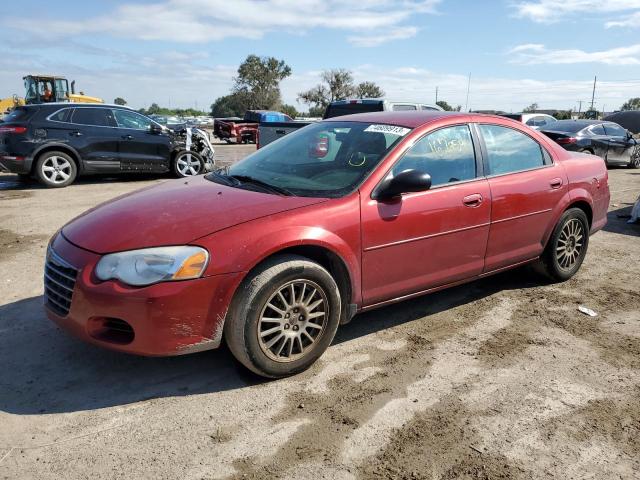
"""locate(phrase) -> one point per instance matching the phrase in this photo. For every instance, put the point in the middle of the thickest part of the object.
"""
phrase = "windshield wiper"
(224, 179)
(260, 183)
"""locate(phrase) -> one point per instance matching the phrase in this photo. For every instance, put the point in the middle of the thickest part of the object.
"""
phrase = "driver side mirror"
(155, 128)
(407, 181)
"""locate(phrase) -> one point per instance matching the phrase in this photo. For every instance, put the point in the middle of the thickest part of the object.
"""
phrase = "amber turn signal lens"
(192, 267)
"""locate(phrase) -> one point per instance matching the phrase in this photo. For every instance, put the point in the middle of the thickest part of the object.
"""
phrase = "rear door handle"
(473, 200)
(556, 183)
(75, 134)
(128, 137)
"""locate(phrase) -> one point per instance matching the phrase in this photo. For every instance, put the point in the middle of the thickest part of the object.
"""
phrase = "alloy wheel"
(188, 165)
(293, 320)
(56, 169)
(570, 244)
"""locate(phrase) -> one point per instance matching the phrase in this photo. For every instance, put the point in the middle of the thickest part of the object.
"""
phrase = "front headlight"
(153, 265)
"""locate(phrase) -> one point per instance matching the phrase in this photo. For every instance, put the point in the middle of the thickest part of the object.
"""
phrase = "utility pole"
(579, 107)
(466, 104)
(436, 95)
(593, 95)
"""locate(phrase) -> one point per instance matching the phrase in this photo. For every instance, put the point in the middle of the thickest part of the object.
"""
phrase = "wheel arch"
(57, 147)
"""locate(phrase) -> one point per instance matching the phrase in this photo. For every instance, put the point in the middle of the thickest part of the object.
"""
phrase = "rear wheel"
(187, 164)
(56, 169)
(283, 317)
(567, 246)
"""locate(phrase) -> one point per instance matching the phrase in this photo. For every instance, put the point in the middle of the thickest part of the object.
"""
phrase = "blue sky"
(185, 52)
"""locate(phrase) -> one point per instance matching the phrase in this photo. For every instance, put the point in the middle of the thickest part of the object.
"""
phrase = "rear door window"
(597, 130)
(446, 154)
(97, 117)
(509, 150)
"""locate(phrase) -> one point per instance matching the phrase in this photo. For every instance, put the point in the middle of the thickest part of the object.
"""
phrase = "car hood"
(173, 213)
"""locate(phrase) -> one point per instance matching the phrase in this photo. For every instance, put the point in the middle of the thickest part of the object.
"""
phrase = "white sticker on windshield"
(391, 129)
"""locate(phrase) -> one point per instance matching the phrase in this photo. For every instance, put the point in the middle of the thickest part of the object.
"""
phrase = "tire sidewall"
(251, 307)
(42, 177)
(553, 266)
(175, 164)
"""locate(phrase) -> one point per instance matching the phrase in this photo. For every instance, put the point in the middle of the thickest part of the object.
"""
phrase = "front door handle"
(473, 200)
(75, 134)
(128, 137)
(556, 183)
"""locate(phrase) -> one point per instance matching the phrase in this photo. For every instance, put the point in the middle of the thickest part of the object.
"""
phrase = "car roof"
(409, 119)
(586, 123)
(75, 105)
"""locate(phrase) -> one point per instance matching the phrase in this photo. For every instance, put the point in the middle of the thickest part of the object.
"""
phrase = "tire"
(586, 150)
(187, 164)
(567, 246)
(293, 344)
(56, 169)
(634, 162)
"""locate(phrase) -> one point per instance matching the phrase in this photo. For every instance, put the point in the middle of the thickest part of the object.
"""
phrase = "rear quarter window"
(61, 115)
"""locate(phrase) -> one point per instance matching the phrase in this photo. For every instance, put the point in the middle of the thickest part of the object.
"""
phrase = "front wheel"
(635, 160)
(187, 164)
(567, 246)
(283, 317)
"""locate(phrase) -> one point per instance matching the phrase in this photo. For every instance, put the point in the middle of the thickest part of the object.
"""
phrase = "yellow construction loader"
(46, 88)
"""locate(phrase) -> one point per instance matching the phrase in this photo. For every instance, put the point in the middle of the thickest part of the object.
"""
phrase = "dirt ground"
(499, 379)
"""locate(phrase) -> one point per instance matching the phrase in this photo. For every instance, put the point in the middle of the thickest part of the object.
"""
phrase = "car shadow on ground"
(617, 221)
(46, 371)
(13, 182)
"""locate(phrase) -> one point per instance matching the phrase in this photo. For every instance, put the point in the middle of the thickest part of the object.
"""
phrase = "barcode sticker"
(391, 129)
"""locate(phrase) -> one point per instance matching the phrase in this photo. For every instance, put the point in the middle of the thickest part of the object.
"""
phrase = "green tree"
(154, 109)
(368, 90)
(448, 108)
(233, 105)
(258, 81)
(631, 104)
(120, 101)
(563, 114)
(316, 112)
(531, 108)
(289, 110)
(335, 84)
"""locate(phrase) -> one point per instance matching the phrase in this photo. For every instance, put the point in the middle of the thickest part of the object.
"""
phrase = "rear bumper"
(14, 163)
(171, 318)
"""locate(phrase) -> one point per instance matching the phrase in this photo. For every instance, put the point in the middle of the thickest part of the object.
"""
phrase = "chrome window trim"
(99, 126)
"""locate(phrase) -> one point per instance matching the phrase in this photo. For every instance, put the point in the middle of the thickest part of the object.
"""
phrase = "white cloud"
(535, 54)
(201, 21)
(632, 21)
(552, 11)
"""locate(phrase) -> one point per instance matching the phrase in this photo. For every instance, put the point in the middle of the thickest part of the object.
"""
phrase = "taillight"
(13, 129)
(320, 147)
(566, 140)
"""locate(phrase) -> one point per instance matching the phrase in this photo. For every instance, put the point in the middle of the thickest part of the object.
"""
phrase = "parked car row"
(346, 215)
(56, 142)
(605, 139)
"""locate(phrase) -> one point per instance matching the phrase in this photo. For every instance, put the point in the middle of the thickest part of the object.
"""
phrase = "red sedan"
(342, 216)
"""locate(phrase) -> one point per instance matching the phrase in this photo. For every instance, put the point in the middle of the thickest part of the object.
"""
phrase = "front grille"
(59, 280)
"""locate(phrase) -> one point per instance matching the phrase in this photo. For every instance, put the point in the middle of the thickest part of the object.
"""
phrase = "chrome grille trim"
(59, 282)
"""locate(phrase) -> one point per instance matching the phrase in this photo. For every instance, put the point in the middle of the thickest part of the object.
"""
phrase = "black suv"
(56, 142)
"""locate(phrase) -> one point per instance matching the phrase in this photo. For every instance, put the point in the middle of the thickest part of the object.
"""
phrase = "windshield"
(325, 159)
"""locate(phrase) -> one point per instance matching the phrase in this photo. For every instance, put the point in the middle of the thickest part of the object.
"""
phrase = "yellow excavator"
(46, 88)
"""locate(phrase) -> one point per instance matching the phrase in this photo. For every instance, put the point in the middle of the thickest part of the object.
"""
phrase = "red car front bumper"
(170, 318)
